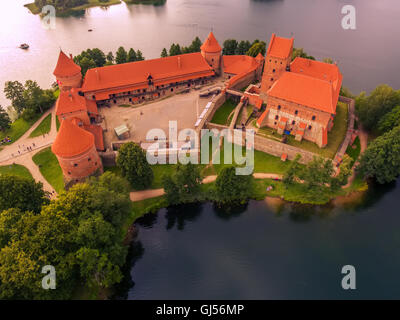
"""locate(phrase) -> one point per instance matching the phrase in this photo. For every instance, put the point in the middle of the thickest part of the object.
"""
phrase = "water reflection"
(180, 215)
(227, 212)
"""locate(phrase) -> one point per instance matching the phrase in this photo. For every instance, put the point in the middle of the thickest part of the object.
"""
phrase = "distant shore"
(33, 8)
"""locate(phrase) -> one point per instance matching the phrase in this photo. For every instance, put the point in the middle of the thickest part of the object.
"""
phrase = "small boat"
(24, 46)
(90, 30)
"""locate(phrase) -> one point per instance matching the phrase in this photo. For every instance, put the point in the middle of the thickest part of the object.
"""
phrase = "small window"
(75, 164)
(281, 62)
(309, 127)
(69, 172)
(172, 89)
(296, 112)
(293, 122)
(89, 159)
(279, 107)
(115, 101)
(93, 97)
(272, 79)
(313, 118)
(95, 163)
(276, 117)
(273, 70)
(275, 123)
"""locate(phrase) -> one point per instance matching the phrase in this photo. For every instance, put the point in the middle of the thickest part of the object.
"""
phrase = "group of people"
(5, 140)
(24, 148)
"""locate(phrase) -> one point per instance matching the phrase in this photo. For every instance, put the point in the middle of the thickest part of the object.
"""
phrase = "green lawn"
(17, 170)
(42, 128)
(18, 128)
(222, 114)
(335, 136)
(57, 123)
(50, 169)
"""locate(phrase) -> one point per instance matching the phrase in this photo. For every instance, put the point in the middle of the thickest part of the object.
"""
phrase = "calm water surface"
(367, 56)
(269, 251)
(260, 251)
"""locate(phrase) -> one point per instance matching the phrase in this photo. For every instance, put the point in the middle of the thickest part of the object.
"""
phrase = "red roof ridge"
(280, 47)
(211, 44)
(71, 140)
(66, 66)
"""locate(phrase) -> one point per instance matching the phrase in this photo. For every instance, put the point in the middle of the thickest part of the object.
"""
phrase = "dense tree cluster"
(233, 47)
(318, 176)
(184, 185)
(28, 100)
(299, 52)
(5, 121)
(61, 4)
(92, 58)
(176, 49)
(78, 234)
(232, 188)
(134, 166)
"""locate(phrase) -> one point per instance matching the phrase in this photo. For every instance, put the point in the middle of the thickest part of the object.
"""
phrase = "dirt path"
(147, 194)
(363, 136)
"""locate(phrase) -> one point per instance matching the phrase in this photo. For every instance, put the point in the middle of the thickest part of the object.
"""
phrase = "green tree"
(229, 47)
(110, 58)
(134, 166)
(14, 91)
(121, 56)
(131, 55)
(98, 56)
(328, 60)
(299, 52)
(139, 55)
(171, 190)
(345, 171)
(195, 45)
(5, 122)
(243, 47)
(390, 120)
(370, 109)
(382, 157)
(256, 48)
(293, 172)
(86, 63)
(175, 50)
(188, 179)
(232, 188)
(317, 174)
(21, 193)
(164, 53)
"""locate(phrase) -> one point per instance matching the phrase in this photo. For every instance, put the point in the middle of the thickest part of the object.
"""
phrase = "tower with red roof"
(211, 51)
(67, 72)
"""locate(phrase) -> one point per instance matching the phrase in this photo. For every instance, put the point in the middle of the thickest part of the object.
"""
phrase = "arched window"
(279, 107)
(313, 118)
(296, 112)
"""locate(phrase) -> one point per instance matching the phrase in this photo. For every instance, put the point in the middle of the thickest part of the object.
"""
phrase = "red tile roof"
(238, 64)
(284, 157)
(66, 66)
(280, 47)
(72, 140)
(304, 90)
(260, 57)
(97, 132)
(134, 74)
(261, 118)
(303, 125)
(211, 44)
(259, 104)
(70, 101)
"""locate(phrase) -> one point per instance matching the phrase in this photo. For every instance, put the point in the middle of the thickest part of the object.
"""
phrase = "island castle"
(300, 95)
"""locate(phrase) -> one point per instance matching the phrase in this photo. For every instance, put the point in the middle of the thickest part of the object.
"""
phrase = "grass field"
(335, 136)
(42, 128)
(223, 112)
(18, 128)
(17, 170)
(50, 169)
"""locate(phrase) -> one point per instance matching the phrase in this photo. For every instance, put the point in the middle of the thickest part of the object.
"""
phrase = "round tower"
(211, 51)
(76, 152)
(67, 72)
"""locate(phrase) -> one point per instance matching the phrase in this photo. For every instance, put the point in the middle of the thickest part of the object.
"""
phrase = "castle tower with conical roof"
(211, 51)
(67, 72)
(76, 152)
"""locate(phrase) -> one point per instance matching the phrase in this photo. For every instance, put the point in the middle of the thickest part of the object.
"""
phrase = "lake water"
(367, 56)
(269, 251)
(260, 252)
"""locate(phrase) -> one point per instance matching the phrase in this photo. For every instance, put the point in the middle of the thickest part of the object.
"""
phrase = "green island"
(77, 7)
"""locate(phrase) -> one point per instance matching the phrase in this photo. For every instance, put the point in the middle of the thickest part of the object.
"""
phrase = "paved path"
(147, 194)
(10, 155)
